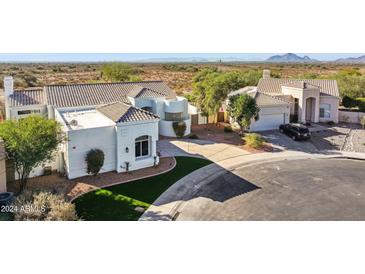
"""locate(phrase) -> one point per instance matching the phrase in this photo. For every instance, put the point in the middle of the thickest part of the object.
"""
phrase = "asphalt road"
(316, 189)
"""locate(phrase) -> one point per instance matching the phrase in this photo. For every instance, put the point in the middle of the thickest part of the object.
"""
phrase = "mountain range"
(290, 58)
(360, 59)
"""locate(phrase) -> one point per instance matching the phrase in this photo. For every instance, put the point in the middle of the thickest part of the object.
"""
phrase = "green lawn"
(6, 216)
(118, 202)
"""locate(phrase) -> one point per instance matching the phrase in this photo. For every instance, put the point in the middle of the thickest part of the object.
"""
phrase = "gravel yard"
(345, 137)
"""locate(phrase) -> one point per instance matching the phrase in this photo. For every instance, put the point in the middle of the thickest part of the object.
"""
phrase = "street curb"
(174, 210)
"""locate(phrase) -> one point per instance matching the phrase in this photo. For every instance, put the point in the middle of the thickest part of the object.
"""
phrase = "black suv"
(295, 131)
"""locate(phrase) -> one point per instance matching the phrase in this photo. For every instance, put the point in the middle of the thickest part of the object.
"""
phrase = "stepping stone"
(139, 209)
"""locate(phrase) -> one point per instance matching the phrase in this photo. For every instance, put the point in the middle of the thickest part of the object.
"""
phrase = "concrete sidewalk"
(167, 206)
(199, 148)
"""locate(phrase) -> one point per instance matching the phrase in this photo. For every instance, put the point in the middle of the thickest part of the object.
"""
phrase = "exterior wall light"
(126, 150)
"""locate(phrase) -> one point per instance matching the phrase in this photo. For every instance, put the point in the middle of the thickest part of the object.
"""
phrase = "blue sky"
(129, 57)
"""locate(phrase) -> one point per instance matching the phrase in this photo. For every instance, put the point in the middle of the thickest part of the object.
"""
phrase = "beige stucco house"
(284, 100)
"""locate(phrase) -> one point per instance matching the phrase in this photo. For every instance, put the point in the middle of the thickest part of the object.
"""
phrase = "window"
(28, 111)
(147, 109)
(325, 111)
(142, 146)
(173, 116)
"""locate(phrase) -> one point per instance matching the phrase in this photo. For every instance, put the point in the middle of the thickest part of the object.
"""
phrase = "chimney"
(266, 74)
(8, 86)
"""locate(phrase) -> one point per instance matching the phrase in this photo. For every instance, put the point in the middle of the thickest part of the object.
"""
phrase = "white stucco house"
(284, 100)
(124, 120)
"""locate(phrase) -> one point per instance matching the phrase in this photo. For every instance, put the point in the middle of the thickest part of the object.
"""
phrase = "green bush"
(254, 140)
(227, 129)
(43, 206)
(179, 128)
(348, 102)
(361, 104)
(193, 136)
(94, 161)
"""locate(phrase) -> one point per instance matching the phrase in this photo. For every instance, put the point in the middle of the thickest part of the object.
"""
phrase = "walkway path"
(199, 148)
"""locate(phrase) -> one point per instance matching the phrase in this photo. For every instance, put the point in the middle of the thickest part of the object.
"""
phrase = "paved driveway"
(281, 142)
(315, 189)
(199, 148)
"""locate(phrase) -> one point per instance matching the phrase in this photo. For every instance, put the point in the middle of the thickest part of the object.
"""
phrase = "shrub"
(43, 206)
(193, 136)
(254, 140)
(227, 129)
(348, 102)
(360, 102)
(179, 128)
(94, 161)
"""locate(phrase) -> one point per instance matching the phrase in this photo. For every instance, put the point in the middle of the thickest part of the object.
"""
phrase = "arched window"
(142, 146)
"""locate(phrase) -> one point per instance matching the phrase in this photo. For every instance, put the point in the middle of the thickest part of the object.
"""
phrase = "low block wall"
(350, 116)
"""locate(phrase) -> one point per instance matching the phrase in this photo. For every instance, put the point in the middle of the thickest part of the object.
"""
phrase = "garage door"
(268, 122)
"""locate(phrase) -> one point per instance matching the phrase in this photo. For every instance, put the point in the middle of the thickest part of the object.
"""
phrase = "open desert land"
(177, 76)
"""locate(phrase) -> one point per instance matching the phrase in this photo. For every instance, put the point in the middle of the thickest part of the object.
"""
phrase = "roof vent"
(73, 123)
(8, 85)
(266, 74)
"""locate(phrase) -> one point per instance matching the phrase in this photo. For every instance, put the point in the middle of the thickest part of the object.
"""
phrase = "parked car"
(295, 131)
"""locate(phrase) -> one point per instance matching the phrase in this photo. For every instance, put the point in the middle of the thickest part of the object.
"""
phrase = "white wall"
(334, 102)
(126, 135)
(166, 128)
(82, 141)
(350, 116)
(271, 110)
(180, 104)
(302, 96)
(12, 113)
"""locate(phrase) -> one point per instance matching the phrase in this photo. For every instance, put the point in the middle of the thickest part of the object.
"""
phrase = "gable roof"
(26, 97)
(242, 91)
(273, 85)
(121, 113)
(142, 92)
(263, 99)
(73, 95)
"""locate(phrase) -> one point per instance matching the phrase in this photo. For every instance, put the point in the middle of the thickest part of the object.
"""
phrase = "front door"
(309, 110)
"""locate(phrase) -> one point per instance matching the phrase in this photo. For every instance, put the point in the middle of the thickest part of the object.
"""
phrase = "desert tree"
(30, 142)
(243, 108)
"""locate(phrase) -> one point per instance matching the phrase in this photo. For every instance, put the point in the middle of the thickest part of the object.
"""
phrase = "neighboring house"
(284, 100)
(122, 119)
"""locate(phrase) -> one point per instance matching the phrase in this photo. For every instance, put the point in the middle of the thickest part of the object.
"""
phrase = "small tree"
(243, 108)
(30, 142)
(43, 206)
(348, 102)
(94, 161)
(118, 72)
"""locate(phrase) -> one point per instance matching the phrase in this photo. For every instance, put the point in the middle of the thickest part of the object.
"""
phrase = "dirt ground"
(178, 76)
(215, 133)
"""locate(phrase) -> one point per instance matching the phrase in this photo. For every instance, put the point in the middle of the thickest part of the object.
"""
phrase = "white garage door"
(268, 122)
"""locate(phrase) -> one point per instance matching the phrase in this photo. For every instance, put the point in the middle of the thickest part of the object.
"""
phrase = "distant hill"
(360, 59)
(290, 58)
